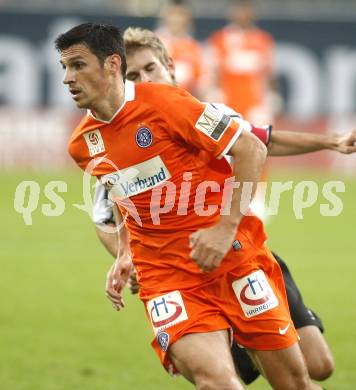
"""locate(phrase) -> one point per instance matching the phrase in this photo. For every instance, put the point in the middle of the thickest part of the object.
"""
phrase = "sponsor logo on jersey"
(144, 137)
(213, 122)
(94, 142)
(137, 178)
(166, 310)
(163, 340)
(284, 330)
(254, 294)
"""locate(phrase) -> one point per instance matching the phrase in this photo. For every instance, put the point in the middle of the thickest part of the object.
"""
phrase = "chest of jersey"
(133, 156)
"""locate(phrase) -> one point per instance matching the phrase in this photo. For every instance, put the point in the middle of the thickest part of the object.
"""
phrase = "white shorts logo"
(213, 122)
(94, 142)
(166, 310)
(136, 179)
(254, 294)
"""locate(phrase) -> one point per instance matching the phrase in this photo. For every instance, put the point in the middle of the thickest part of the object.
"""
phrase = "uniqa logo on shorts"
(166, 310)
(137, 178)
(254, 294)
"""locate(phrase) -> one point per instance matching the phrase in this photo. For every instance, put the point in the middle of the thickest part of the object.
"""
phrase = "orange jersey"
(187, 55)
(159, 156)
(243, 62)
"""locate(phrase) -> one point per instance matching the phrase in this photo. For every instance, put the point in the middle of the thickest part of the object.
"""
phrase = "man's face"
(177, 19)
(86, 78)
(144, 66)
(242, 15)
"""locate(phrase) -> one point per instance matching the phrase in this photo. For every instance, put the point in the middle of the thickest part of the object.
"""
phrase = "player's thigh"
(284, 368)
(316, 352)
(202, 357)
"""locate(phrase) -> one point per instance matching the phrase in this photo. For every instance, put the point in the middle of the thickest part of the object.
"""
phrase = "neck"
(108, 106)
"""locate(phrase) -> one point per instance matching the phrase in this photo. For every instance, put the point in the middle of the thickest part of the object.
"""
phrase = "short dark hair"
(103, 40)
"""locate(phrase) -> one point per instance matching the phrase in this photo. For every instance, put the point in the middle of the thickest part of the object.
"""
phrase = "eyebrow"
(145, 66)
(150, 63)
(78, 57)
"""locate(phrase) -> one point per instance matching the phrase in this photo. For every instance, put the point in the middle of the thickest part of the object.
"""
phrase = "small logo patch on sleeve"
(254, 294)
(212, 122)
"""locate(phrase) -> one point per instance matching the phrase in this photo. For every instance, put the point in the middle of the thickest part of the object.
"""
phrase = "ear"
(113, 63)
(172, 69)
(171, 65)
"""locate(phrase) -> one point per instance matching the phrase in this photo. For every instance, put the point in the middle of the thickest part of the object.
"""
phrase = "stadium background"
(57, 331)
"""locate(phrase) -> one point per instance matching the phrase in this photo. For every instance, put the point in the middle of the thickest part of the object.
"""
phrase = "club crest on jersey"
(254, 294)
(166, 310)
(163, 340)
(212, 122)
(144, 137)
(94, 142)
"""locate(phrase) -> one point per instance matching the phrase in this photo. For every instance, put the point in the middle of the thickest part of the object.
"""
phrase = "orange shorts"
(253, 304)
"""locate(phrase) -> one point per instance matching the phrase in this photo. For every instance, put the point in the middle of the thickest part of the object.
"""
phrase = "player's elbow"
(250, 146)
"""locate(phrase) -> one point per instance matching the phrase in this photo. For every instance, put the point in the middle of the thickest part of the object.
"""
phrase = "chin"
(81, 104)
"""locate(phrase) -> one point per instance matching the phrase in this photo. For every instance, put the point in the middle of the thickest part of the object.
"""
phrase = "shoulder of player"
(262, 35)
(216, 36)
(86, 124)
(152, 88)
(157, 95)
(192, 43)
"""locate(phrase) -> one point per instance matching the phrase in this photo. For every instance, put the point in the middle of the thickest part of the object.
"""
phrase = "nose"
(145, 77)
(68, 77)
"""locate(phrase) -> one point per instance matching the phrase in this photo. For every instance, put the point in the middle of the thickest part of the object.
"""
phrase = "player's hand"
(347, 143)
(132, 283)
(116, 280)
(209, 246)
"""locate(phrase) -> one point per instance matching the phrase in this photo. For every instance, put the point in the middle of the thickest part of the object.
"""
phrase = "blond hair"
(136, 38)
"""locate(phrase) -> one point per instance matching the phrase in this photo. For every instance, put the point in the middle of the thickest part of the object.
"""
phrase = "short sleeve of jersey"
(198, 124)
(263, 133)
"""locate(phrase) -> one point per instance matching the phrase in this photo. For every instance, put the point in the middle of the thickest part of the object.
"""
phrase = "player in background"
(200, 274)
(241, 61)
(148, 61)
(175, 31)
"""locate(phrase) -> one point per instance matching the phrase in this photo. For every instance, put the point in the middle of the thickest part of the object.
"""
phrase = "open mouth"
(75, 93)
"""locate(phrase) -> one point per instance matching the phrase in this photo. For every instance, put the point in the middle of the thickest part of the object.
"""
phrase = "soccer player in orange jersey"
(186, 52)
(148, 61)
(203, 268)
(241, 61)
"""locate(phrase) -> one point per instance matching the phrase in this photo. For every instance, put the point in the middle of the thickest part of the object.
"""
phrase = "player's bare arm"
(122, 268)
(286, 143)
(108, 239)
(209, 246)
